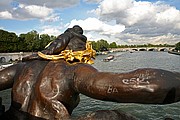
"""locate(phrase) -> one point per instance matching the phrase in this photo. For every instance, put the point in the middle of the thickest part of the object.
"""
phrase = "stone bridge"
(6, 57)
(143, 49)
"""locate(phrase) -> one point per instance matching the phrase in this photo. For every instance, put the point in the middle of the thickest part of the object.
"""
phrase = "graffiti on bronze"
(135, 81)
(112, 89)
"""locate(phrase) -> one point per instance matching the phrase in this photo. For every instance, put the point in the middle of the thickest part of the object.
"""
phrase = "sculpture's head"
(78, 41)
(78, 29)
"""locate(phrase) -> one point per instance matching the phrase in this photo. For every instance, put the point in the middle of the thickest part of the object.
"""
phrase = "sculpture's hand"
(31, 57)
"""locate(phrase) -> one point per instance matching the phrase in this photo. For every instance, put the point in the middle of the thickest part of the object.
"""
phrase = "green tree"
(45, 39)
(22, 46)
(113, 45)
(31, 39)
(150, 45)
(102, 45)
(177, 46)
(9, 41)
(94, 45)
(52, 38)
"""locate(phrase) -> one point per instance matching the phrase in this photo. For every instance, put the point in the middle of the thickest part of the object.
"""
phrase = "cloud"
(27, 12)
(143, 20)
(5, 4)
(123, 21)
(92, 1)
(33, 9)
(170, 16)
(51, 18)
(93, 24)
(51, 30)
(136, 39)
(50, 4)
(5, 15)
(23, 12)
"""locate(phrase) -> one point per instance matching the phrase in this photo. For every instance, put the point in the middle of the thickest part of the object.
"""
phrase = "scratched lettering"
(112, 89)
(133, 81)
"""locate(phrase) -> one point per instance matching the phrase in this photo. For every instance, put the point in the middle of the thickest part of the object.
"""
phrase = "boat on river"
(174, 52)
(108, 58)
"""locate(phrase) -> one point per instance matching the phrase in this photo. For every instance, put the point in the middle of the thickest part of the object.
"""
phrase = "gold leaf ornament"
(72, 57)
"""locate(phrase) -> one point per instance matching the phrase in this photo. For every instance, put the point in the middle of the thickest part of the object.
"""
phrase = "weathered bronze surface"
(43, 89)
(50, 89)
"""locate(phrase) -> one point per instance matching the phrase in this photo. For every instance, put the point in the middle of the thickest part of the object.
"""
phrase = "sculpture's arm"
(150, 86)
(54, 48)
(7, 76)
(59, 44)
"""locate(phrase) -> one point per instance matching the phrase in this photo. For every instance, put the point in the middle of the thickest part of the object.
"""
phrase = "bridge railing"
(143, 49)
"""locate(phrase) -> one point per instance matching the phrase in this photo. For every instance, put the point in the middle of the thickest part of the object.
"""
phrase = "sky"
(125, 22)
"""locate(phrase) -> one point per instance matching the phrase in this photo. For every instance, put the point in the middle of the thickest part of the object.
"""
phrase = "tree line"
(33, 41)
(177, 46)
(103, 45)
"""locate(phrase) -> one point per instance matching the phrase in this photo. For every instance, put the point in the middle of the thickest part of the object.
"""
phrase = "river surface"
(125, 62)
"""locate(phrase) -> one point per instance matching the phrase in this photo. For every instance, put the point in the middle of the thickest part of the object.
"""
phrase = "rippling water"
(124, 62)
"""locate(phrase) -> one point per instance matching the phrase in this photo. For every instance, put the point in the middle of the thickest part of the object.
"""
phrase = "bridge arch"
(2, 60)
(142, 49)
(172, 49)
(151, 49)
(163, 49)
(135, 49)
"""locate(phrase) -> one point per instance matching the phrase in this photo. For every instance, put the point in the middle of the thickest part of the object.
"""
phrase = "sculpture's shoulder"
(84, 68)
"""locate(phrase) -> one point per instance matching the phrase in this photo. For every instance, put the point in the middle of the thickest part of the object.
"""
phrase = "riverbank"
(174, 52)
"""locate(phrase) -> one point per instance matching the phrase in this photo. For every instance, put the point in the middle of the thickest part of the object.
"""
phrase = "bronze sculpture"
(43, 89)
(71, 39)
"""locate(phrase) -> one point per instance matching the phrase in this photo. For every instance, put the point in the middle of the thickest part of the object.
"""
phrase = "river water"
(125, 62)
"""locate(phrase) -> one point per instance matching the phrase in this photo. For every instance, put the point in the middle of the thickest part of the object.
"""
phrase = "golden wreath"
(70, 56)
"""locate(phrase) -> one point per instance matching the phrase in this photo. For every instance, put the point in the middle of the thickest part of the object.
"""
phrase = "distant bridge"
(143, 49)
(6, 57)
